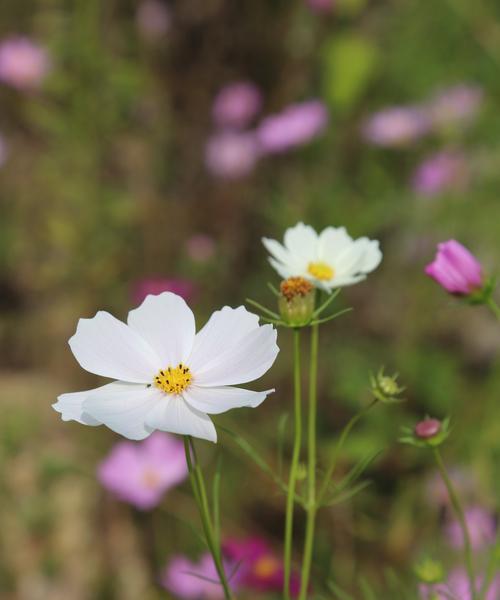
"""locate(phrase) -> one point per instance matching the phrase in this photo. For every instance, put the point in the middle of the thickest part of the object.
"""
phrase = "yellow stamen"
(295, 286)
(321, 271)
(266, 566)
(174, 380)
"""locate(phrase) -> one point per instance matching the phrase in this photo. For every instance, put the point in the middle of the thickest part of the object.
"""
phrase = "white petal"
(277, 251)
(353, 259)
(372, 257)
(176, 416)
(302, 242)
(284, 271)
(105, 346)
(245, 361)
(332, 241)
(71, 409)
(167, 324)
(123, 407)
(217, 400)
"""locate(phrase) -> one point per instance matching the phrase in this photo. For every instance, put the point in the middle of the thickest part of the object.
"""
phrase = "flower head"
(458, 104)
(237, 104)
(167, 376)
(23, 64)
(457, 587)
(231, 154)
(156, 285)
(329, 260)
(456, 269)
(396, 126)
(141, 472)
(296, 301)
(296, 125)
(193, 581)
(481, 525)
(440, 173)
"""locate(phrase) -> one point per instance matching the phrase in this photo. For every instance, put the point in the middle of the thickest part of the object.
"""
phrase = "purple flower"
(200, 247)
(458, 104)
(457, 587)
(396, 126)
(193, 581)
(439, 173)
(231, 155)
(481, 526)
(237, 104)
(153, 19)
(141, 472)
(296, 125)
(156, 285)
(321, 6)
(23, 64)
(260, 569)
(456, 269)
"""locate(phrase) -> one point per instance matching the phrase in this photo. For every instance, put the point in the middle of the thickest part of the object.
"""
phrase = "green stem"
(457, 506)
(491, 570)
(311, 506)
(200, 495)
(495, 309)
(297, 441)
(338, 448)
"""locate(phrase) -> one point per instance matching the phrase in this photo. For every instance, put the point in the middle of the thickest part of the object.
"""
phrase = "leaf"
(366, 588)
(327, 302)
(338, 592)
(263, 309)
(347, 495)
(356, 471)
(331, 317)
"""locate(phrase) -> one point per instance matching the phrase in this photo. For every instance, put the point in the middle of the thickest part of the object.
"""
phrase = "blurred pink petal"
(455, 105)
(237, 104)
(396, 126)
(481, 525)
(156, 285)
(153, 18)
(23, 63)
(455, 269)
(231, 155)
(200, 247)
(439, 173)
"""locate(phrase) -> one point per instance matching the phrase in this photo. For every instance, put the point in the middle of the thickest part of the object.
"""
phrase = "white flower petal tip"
(70, 406)
(330, 259)
(216, 400)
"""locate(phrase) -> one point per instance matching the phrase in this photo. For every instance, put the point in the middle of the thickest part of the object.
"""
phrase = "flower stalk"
(493, 306)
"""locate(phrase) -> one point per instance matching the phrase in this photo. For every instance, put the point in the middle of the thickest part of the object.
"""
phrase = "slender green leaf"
(216, 501)
(327, 302)
(331, 317)
(273, 289)
(263, 309)
(366, 588)
(338, 592)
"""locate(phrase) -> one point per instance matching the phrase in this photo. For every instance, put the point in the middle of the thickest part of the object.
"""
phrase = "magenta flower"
(141, 472)
(440, 173)
(259, 567)
(457, 587)
(200, 247)
(481, 525)
(193, 581)
(456, 269)
(153, 19)
(23, 64)
(296, 125)
(321, 6)
(231, 154)
(156, 285)
(396, 126)
(237, 104)
(458, 104)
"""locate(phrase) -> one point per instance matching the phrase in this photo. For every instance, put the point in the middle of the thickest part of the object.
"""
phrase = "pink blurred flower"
(23, 64)
(396, 126)
(457, 587)
(481, 525)
(296, 125)
(439, 173)
(200, 247)
(141, 472)
(157, 285)
(153, 18)
(455, 269)
(259, 567)
(237, 104)
(321, 6)
(464, 481)
(231, 154)
(188, 580)
(454, 105)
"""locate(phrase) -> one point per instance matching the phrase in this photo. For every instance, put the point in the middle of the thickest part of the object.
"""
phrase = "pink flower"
(237, 104)
(296, 125)
(153, 18)
(260, 569)
(464, 481)
(481, 526)
(23, 64)
(457, 587)
(231, 155)
(156, 285)
(200, 247)
(439, 173)
(321, 6)
(458, 104)
(456, 269)
(141, 472)
(193, 581)
(396, 126)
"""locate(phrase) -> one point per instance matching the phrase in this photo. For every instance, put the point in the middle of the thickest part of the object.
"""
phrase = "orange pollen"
(266, 566)
(150, 479)
(295, 286)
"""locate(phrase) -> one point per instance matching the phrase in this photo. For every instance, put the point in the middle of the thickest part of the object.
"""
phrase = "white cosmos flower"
(168, 376)
(330, 259)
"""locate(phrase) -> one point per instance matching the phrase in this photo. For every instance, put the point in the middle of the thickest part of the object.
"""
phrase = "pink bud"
(427, 428)
(456, 269)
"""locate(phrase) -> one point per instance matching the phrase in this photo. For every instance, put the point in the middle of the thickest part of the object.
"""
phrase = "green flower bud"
(296, 301)
(386, 388)
(429, 571)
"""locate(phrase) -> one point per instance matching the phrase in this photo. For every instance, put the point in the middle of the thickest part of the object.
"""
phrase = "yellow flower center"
(266, 566)
(174, 380)
(321, 271)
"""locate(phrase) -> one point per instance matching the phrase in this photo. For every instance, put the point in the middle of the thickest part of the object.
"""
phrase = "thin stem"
(200, 495)
(491, 571)
(457, 506)
(495, 309)
(338, 448)
(297, 441)
(311, 506)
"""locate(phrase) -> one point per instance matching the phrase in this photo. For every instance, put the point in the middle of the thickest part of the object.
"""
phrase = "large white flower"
(329, 260)
(168, 377)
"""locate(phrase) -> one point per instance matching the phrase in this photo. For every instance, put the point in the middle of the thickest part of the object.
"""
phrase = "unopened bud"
(385, 388)
(430, 571)
(428, 428)
(296, 301)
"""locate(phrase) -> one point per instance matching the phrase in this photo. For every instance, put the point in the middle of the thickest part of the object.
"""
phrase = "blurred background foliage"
(105, 182)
